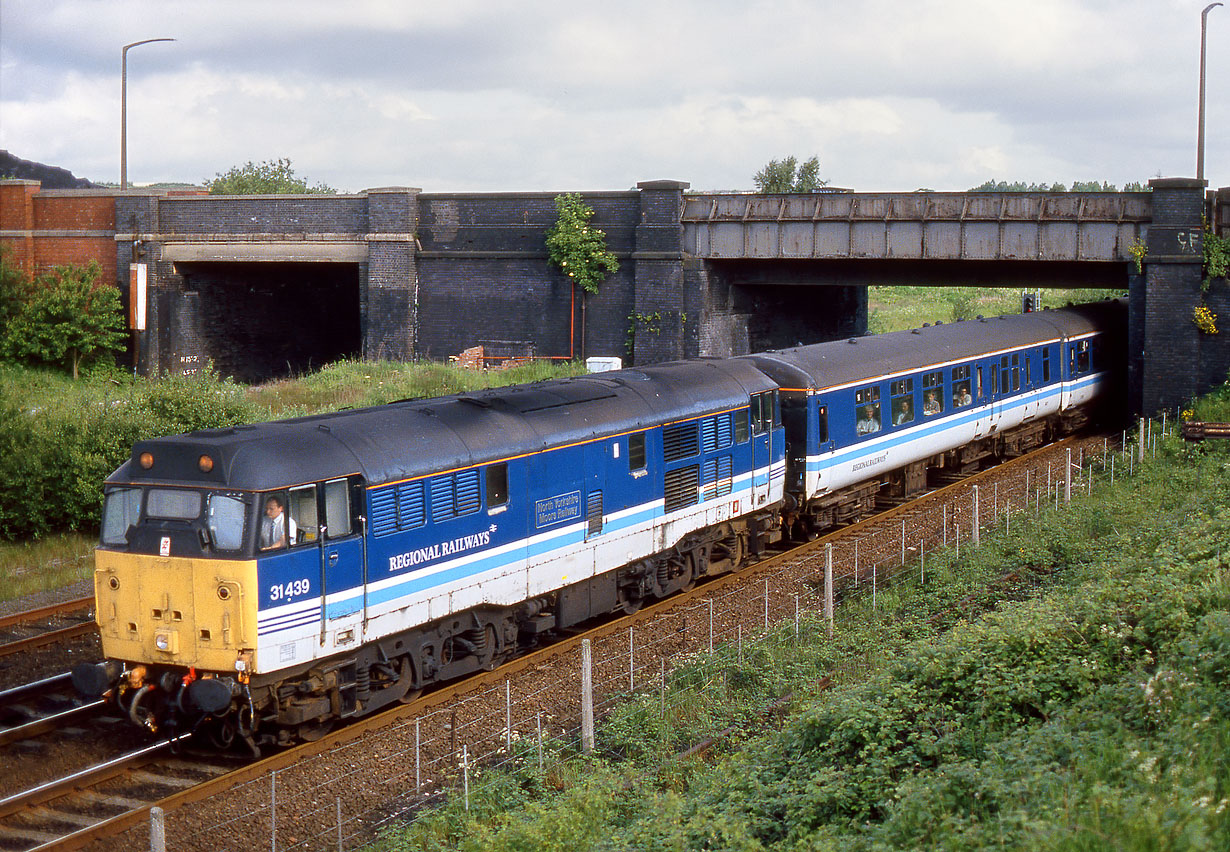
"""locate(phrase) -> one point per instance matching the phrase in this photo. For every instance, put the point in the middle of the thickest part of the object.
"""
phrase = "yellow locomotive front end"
(176, 611)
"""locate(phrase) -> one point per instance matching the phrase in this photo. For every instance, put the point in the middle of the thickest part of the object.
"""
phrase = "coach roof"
(406, 439)
(860, 359)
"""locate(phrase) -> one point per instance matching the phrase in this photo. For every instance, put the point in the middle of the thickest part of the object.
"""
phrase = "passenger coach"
(870, 415)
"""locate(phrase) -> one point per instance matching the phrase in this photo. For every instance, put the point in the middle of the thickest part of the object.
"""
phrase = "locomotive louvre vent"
(680, 441)
(681, 487)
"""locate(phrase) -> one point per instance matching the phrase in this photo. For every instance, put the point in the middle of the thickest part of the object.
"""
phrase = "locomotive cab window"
(741, 417)
(338, 521)
(933, 393)
(961, 387)
(276, 527)
(903, 401)
(173, 504)
(762, 412)
(226, 514)
(121, 509)
(867, 411)
(497, 486)
(303, 514)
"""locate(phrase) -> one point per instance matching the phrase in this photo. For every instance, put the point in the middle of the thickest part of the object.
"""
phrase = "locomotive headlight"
(205, 463)
(167, 641)
(146, 460)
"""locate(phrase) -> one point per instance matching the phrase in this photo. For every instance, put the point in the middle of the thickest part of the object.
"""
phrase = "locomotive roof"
(406, 439)
(859, 359)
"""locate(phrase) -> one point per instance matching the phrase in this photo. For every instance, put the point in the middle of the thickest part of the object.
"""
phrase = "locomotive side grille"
(593, 513)
(680, 441)
(468, 498)
(716, 432)
(717, 478)
(441, 498)
(681, 487)
(411, 508)
(384, 511)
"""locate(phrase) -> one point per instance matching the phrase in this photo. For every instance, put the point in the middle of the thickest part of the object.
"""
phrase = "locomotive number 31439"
(293, 588)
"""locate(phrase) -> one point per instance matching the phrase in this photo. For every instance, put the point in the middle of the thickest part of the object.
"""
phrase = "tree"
(272, 177)
(67, 319)
(577, 249)
(14, 289)
(788, 176)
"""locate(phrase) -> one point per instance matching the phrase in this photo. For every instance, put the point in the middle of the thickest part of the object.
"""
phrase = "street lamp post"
(123, 108)
(1204, 24)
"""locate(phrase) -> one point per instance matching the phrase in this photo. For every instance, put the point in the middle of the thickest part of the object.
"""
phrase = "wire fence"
(342, 799)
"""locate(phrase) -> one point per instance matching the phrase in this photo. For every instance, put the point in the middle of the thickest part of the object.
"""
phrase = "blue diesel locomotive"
(261, 582)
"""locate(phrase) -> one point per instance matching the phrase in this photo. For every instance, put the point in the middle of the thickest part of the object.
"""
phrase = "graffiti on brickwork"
(1189, 240)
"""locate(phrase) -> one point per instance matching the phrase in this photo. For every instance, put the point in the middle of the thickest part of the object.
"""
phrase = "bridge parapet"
(916, 225)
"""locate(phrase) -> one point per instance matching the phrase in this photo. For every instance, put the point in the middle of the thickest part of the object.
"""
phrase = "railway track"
(48, 625)
(112, 797)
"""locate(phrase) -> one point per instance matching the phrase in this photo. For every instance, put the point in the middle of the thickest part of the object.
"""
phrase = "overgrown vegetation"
(1077, 186)
(578, 248)
(1086, 709)
(893, 308)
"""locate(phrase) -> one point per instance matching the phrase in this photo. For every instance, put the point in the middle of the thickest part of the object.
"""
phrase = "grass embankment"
(896, 308)
(1088, 712)
(59, 439)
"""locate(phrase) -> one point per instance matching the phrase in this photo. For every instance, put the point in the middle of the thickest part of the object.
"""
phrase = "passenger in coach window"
(868, 422)
(962, 397)
(931, 405)
(273, 526)
(905, 413)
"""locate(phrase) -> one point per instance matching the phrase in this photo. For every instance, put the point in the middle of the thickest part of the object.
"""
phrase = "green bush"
(59, 441)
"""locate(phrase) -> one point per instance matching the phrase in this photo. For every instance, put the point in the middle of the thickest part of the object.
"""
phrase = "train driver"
(273, 526)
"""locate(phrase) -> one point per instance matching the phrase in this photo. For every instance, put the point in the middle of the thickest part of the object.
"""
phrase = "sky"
(493, 96)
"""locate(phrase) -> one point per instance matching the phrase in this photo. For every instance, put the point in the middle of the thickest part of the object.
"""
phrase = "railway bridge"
(265, 285)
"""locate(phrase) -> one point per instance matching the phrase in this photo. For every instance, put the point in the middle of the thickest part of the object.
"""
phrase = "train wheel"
(310, 732)
(406, 674)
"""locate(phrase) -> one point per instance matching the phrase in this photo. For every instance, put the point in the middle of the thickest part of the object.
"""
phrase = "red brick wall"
(49, 220)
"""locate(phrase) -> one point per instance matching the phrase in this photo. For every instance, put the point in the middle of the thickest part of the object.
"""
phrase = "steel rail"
(50, 637)
(75, 605)
(49, 723)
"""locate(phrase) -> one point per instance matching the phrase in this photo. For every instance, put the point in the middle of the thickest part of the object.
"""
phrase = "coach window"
(1046, 364)
(903, 401)
(337, 509)
(994, 378)
(303, 514)
(1027, 370)
(1082, 357)
(1016, 373)
(497, 485)
(933, 393)
(822, 424)
(961, 387)
(867, 410)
